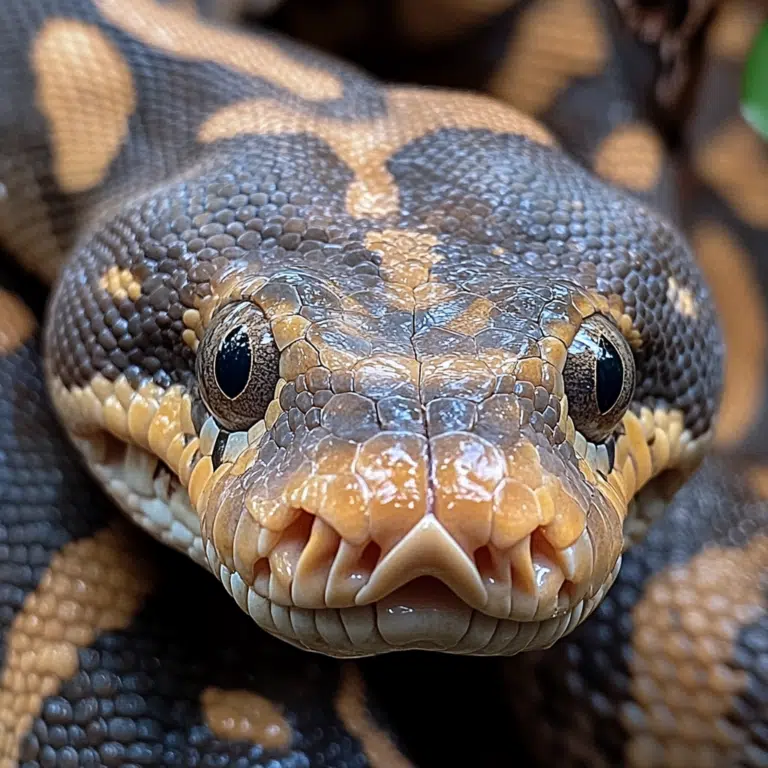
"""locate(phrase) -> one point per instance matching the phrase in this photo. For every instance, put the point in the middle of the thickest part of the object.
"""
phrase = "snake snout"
(436, 542)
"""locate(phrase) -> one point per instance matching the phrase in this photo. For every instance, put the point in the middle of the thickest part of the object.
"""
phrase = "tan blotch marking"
(406, 256)
(631, 156)
(431, 21)
(475, 318)
(734, 29)
(91, 586)
(352, 710)
(86, 92)
(735, 163)
(735, 289)
(17, 323)
(682, 678)
(121, 284)
(365, 146)
(757, 477)
(545, 53)
(176, 32)
(245, 716)
(682, 298)
(25, 226)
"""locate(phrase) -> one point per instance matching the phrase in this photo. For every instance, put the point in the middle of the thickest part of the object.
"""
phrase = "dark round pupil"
(233, 363)
(609, 375)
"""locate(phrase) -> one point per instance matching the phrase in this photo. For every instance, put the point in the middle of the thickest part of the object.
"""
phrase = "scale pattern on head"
(355, 404)
(396, 379)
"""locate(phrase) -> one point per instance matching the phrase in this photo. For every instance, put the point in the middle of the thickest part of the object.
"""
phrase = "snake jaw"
(398, 527)
(342, 513)
(403, 529)
(424, 615)
(310, 567)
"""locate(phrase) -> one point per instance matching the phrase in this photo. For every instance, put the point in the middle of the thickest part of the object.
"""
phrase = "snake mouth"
(447, 544)
(427, 587)
(496, 605)
(307, 585)
(307, 565)
(146, 490)
(425, 614)
(512, 539)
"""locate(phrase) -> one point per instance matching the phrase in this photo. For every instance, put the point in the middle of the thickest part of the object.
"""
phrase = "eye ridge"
(233, 363)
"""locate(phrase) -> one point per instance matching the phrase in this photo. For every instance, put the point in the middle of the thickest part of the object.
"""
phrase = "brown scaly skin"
(117, 281)
(695, 158)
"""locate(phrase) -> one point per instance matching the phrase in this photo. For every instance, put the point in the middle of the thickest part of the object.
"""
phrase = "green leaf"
(754, 84)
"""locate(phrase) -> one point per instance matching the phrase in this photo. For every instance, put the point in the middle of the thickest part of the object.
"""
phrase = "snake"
(382, 378)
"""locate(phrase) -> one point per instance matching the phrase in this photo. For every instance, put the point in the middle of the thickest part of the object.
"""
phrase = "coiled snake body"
(397, 371)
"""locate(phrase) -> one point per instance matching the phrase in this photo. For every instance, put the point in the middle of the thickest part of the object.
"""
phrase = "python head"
(437, 429)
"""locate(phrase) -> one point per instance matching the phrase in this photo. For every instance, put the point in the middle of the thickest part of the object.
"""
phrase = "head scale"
(430, 432)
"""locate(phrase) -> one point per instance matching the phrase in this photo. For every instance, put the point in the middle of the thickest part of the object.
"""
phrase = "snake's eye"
(238, 366)
(599, 377)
